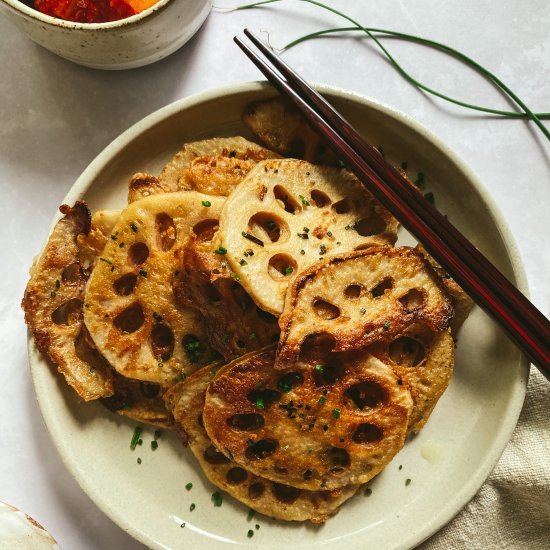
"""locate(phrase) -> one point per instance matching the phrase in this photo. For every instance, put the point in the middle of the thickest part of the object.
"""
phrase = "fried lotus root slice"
(279, 125)
(144, 185)
(423, 360)
(303, 427)
(235, 325)
(462, 303)
(357, 299)
(138, 401)
(53, 307)
(213, 166)
(130, 307)
(267, 497)
(287, 215)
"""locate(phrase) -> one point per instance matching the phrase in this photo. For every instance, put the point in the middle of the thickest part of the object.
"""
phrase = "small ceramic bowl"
(132, 42)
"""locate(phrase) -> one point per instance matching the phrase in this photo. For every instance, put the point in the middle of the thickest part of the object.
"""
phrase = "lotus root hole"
(317, 345)
(328, 372)
(281, 266)
(130, 319)
(162, 342)
(342, 206)
(320, 199)
(149, 390)
(212, 294)
(353, 292)
(290, 381)
(205, 230)
(366, 434)
(166, 231)
(268, 227)
(285, 493)
(414, 299)
(336, 459)
(213, 456)
(124, 286)
(138, 254)
(68, 313)
(236, 476)
(366, 395)
(325, 309)
(72, 274)
(406, 352)
(246, 422)
(381, 287)
(285, 200)
(261, 449)
(256, 490)
(370, 226)
(267, 397)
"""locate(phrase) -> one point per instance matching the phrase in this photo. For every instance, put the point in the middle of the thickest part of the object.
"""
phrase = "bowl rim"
(24, 9)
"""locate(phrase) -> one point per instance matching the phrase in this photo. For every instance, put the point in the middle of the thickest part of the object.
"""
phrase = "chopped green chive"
(289, 270)
(217, 498)
(319, 368)
(139, 460)
(309, 450)
(336, 413)
(429, 196)
(143, 273)
(57, 283)
(192, 507)
(221, 251)
(257, 526)
(158, 433)
(368, 492)
(189, 486)
(302, 252)
(192, 347)
(135, 437)
(134, 227)
(225, 338)
(271, 225)
(250, 515)
(408, 481)
(419, 179)
(322, 249)
(243, 262)
(260, 402)
(208, 204)
(305, 202)
(400, 466)
(250, 533)
(53, 294)
(322, 400)
(154, 445)
(387, 325)
(252, 336)
(114, 237)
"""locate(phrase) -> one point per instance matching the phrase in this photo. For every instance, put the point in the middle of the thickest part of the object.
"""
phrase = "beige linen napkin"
(512, 508)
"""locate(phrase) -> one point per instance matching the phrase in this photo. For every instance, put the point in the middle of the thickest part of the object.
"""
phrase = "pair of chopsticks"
(487, 286)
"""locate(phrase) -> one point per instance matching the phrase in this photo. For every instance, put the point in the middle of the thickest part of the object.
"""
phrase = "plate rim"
(77, 190)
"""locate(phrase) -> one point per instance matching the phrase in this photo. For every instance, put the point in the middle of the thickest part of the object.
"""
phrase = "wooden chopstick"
(521, 320)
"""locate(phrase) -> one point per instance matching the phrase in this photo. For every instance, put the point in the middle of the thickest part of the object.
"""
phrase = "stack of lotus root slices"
(257, 305)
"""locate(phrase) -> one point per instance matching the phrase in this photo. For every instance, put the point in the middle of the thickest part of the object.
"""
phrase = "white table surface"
(55, 117)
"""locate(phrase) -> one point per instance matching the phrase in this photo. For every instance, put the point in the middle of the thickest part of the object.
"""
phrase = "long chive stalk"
(525, 113)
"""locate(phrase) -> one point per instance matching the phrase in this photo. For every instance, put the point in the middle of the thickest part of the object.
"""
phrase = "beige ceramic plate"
(447, 462)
